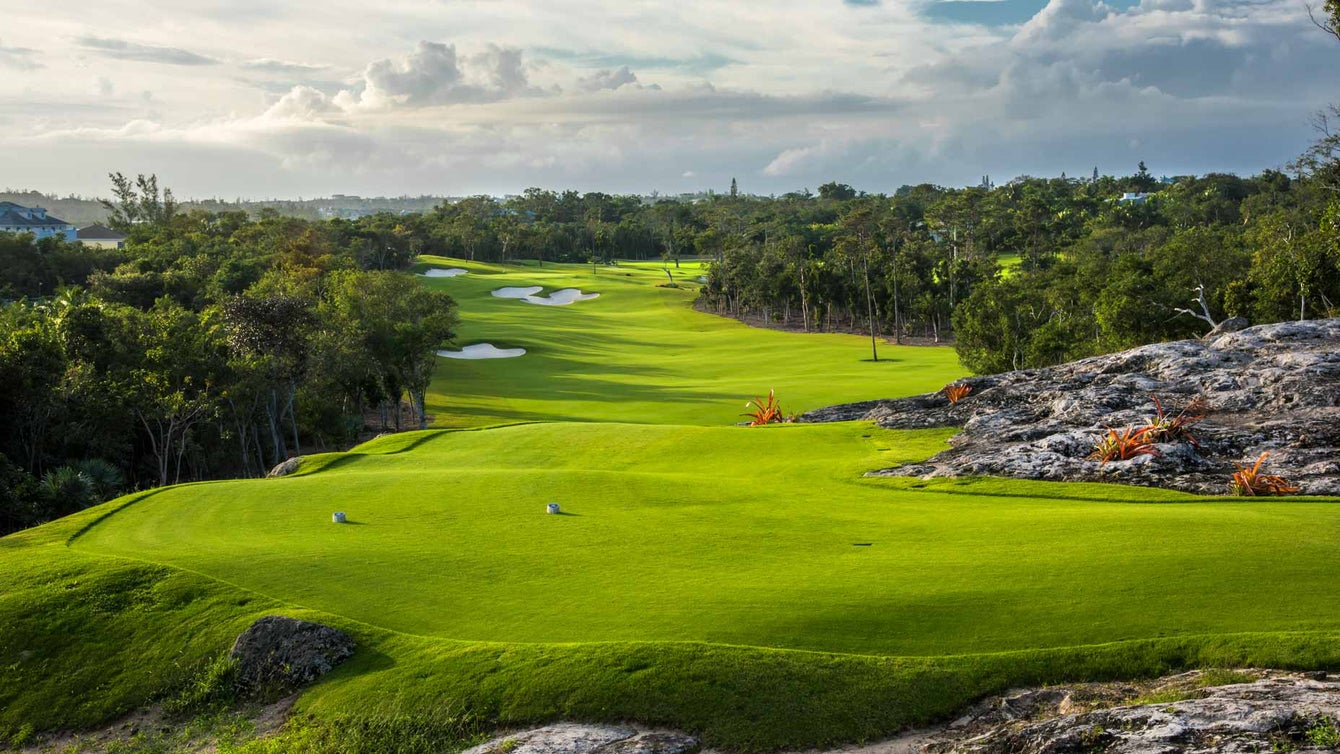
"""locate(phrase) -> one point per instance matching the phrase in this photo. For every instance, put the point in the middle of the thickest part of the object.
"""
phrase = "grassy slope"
(667, 540)
(700, 568)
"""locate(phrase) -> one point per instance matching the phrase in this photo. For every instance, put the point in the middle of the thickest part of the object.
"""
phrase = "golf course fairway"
(749, 585)
(641, 354)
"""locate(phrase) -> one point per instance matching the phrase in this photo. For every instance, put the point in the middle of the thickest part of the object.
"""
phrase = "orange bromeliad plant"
(1121, 446)
(1249, 481)
(956, 393)
(1164, 427)
(765, 412)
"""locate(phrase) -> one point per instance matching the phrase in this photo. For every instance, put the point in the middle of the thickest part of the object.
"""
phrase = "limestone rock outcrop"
(1275, 712)
(573, 738)
(1271, 389)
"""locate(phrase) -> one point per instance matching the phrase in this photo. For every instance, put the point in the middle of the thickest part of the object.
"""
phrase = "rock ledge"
(1271, 388)
(573, 738)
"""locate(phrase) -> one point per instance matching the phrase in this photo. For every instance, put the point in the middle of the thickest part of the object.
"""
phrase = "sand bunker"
(438, 272)
(483, 351)
(561, 297)
(517, 292)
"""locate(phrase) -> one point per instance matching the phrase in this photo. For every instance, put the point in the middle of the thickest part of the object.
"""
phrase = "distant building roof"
(100, 233)
(18, 216)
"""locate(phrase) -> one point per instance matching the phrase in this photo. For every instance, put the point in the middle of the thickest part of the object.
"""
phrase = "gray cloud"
(700, 65)
(19, 58)
(119, 49)
(608, 79)
(284, 67)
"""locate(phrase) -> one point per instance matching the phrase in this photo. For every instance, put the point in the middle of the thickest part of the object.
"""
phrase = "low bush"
(1115, 446)
(765, 411)
(1249, 481)
(1165, 427)
(210, 689)
(956, 393)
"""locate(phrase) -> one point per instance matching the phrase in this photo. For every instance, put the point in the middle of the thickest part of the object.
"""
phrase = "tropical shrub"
(1166, 427)
(956, 393)
(765, 411)
(1122, 446)
(1249, 481)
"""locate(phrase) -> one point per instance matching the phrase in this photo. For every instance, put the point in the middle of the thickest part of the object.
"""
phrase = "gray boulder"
(277, 654)
(1278, 712)
(1271, 388)
(285, 468)
(573, 738)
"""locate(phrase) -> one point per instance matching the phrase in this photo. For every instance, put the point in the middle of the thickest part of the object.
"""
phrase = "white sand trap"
(483, 351)
(517, 292)
(438, 272)
(561, 297)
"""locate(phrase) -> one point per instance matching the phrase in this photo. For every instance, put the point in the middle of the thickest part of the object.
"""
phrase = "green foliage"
(422, 732)
(1323, 733)
(212, 346)
(209, 690)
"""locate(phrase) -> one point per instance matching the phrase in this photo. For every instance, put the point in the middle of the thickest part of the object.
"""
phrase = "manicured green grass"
(1009, 263)
(747, 584)
(734, 536)
(639, 353)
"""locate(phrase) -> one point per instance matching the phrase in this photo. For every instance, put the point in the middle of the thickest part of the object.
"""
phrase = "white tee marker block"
(552, 508)
(337, 518)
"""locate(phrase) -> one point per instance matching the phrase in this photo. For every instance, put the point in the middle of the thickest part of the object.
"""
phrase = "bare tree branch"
(1204, 307)
(1324, 23)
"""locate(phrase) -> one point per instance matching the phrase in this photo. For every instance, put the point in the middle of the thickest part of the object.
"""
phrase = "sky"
(271, 98)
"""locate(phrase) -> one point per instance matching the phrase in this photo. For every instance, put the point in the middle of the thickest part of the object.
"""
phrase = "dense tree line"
(212, 346)
(1032, 272)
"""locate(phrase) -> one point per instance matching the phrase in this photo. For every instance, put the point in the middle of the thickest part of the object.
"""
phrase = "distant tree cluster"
(211, 346)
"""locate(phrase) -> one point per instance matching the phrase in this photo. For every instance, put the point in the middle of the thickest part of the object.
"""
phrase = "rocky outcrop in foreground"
(571, 738)
(1275, 712)
(1272, 388)
(1200, 712)
(277, 654)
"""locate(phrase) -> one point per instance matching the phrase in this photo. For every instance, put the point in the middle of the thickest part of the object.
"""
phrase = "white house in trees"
(16, 218)
(102, 237)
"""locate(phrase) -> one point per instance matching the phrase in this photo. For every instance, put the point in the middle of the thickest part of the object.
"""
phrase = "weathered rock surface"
(285, 468)
(572, 738)
(1271, 388)
(1275, 712)
(277, 654)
